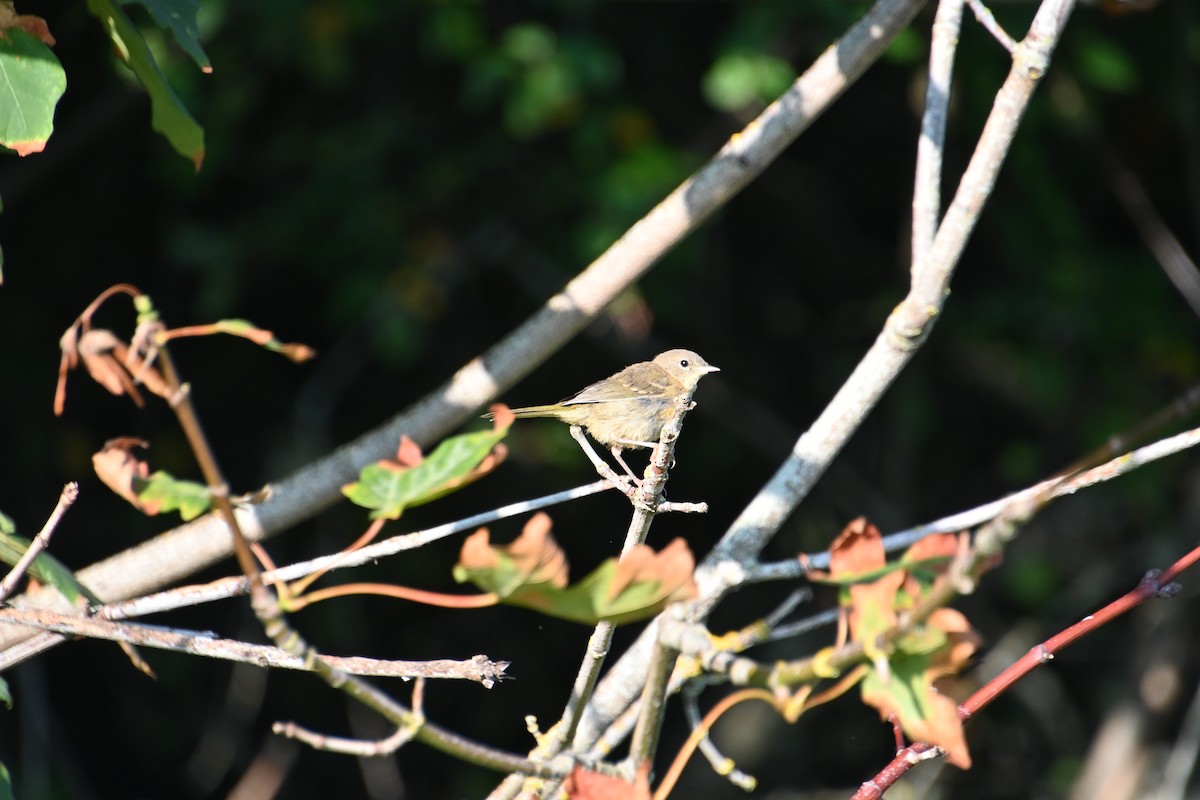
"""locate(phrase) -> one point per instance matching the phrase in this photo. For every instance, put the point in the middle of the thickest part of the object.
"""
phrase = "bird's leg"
(630, 443)
(616, 451)
(622, 483)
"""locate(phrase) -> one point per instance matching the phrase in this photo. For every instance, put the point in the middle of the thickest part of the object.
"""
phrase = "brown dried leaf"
(585, 785)
(104, 354)
(118, 467)
(33, 25)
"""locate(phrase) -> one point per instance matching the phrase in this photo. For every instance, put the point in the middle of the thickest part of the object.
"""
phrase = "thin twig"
(40, 542)
(984, 15)
(479, 669)
(232, 586)
(1057, 487)
(357, 747)
(721, 764)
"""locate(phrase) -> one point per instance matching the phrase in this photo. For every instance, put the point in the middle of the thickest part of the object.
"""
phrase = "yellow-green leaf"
(161, 493)
(388, 488)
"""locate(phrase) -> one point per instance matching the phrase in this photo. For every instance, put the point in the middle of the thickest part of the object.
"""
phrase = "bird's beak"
(710, 368)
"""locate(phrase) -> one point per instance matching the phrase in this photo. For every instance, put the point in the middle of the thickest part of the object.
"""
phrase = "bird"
(630, 408)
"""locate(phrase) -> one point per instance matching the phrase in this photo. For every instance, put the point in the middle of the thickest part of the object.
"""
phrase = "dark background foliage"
(398, 185)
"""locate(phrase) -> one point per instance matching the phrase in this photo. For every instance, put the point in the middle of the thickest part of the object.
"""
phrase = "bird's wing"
(640, 380)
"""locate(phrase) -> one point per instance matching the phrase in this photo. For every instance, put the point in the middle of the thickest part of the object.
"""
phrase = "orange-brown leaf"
(585, 785)
(912, 691)
(408, 454)
(858, 549)
(962, 642)
(672, 568)
(501, 415)
(104, 354)
(33, 25)
(535, 556)
(935, 553)
(118, 467)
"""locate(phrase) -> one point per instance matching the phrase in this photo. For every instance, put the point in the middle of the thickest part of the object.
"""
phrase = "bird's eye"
(683, 363)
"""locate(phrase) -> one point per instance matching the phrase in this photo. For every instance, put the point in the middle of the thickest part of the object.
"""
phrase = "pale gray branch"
(479, 668)
(1059, 487)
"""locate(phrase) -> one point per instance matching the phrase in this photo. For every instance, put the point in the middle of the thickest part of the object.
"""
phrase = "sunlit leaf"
(531, 573)
(161, 493)
(264, 338)
(31, 83)
(389, 487)
(533, 559)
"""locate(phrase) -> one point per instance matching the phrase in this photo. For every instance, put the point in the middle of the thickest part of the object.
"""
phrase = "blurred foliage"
(398, 185)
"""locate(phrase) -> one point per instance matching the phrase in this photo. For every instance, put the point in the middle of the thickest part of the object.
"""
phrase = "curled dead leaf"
(118, 467)
(104, 356)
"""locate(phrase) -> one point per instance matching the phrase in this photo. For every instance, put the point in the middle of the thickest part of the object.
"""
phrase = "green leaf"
(179, 17)
(6, 792)
(46, 568)
(31, 83)
(161, 493)
(168, 115)
(737, 79)
(389, 488)
(6, 698)
(1107, 65)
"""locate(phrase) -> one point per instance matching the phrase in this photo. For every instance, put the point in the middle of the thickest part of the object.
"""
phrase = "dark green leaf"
(168, 115)
(179, 17)
(6, 792)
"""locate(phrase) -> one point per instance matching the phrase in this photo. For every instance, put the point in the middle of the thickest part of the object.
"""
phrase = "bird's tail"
(533, 411)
